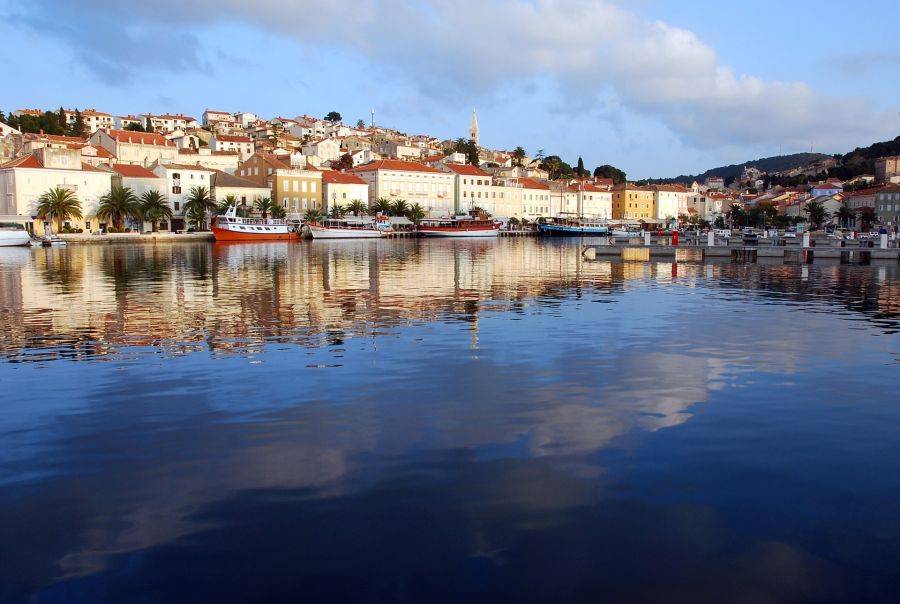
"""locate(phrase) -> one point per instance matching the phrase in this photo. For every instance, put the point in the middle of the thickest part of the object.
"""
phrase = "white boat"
(625, 234)
(13, 234)
(231, 227)
(348, 228)
(476, 224)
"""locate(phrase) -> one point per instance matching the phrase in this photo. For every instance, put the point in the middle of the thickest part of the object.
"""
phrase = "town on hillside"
(182, 171)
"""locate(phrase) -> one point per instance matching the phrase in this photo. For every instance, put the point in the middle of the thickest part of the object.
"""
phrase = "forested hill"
(862, 159)
(766, 164)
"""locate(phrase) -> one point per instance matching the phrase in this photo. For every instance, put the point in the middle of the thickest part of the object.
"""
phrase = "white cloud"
(449, 49)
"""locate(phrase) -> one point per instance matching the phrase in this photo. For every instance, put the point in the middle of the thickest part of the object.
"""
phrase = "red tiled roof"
(344, 178)
(466, 169)
(395, 165)
(133, 171)
(530, 183)
(232, 139)
(140, 138)
(26, 161)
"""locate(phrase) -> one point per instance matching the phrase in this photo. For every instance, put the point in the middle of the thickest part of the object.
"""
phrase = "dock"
(804, 251)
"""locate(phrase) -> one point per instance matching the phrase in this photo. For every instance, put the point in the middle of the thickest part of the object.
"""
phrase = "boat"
(13, 234)
(49, 241)
(625, 234)
(231, 227)
(476, 224)
(568, 227)
(349, 228)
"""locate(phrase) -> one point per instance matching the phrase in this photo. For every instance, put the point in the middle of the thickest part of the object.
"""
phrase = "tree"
(356, 207)
(607, 171)
(132, 127)
(415, 213)
(197, 205)
(579, 168)
(333, 116)
(58, 204)
(337, 211)
(399, 207)
(730, 181)
(226, 203)
(518, 156)
(816, 213)
(79, 128)
(844, 214)
(312, 215)
(360, 124)
(736, 214)
(769, 211)
(382, 205)
(345, 162)
(148, 127)
(556, 167)
(155, 208)
(263, 205)
(866, 218)
(117, 205)
(470, 149)
(278, 211)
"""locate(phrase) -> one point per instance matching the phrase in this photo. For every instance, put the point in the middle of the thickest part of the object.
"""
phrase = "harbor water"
(444, 421)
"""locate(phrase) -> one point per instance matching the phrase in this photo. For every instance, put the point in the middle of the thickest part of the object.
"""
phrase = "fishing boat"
(13, 234)
(231, 227)
(349, 228)
(476, 224)
(567, 227)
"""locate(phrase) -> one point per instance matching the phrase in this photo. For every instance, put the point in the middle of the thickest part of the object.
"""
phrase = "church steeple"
(473, 127)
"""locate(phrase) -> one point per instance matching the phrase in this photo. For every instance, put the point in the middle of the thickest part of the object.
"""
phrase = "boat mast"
(580, 199)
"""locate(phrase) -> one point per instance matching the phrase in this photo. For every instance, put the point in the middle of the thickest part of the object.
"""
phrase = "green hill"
(766, 164)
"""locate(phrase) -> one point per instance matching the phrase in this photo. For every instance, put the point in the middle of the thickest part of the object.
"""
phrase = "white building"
(24, 179)
(93, 119)
(211, 117)
(327, 149)
(167, 123)
(141, 148)
(180, 179)
(141, 181)
(227, 161)
(341, 188)
(246, 119)
(245, 191)
(670, 201)
(414, 182)
(242, 145)
(123, 121)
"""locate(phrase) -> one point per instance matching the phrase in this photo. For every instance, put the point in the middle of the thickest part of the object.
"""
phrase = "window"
(177, 206)
(302, 187)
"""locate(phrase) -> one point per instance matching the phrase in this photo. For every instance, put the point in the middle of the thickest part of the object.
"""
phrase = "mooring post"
(647, 238)
(884, 241)
(806, 239)
(711, 239)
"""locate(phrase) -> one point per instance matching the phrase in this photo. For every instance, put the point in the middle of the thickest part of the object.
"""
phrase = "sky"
(655, 87)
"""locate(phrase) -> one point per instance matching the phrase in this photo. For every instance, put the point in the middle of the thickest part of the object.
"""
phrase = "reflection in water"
(443, 421)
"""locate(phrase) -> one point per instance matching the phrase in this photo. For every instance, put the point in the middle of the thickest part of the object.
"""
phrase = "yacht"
(13, 234)
(231, 227)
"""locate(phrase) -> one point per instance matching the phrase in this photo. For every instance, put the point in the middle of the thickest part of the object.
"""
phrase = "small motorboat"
(13, 234)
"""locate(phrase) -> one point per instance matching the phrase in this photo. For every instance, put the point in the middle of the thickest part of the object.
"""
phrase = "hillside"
(766, 164)
(862, 159)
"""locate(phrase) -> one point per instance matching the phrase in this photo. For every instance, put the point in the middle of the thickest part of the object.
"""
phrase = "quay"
(802, 250)
(144, 238)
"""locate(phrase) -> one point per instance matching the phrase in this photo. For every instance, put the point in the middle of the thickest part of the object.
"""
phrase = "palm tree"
(356, 207)
(117, 205)
(518, 155)
(399, 207)
(197, 205)
(415, 213)
(227, 202)
(278, 211)
(816, 212)
(155, 208)
(263, 205)
(844, 214)
(313, 215)
(866, 218)
(58, 204)
(337, 211)
(382, 206)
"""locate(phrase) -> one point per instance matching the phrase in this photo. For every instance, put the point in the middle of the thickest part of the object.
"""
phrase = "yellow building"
(631, 202)
(296, 189)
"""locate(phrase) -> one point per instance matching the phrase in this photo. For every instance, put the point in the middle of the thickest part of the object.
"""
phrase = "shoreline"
(144, 238)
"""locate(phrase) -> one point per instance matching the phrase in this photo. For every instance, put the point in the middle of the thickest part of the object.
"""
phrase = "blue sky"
(657, 88)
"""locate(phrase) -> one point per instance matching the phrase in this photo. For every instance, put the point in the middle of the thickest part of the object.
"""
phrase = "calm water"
(444, 421)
